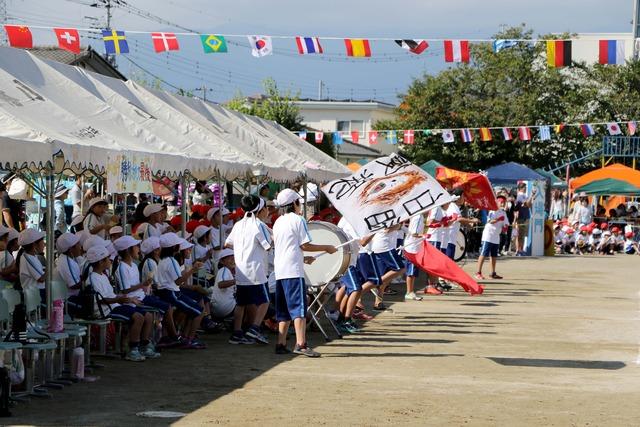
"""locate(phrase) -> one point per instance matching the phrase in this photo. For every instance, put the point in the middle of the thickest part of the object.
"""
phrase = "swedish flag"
(115, 42)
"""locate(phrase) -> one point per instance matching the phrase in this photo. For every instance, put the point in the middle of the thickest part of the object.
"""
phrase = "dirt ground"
(556, 343)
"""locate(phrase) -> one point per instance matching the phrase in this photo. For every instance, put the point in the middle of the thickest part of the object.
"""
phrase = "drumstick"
(319, 254)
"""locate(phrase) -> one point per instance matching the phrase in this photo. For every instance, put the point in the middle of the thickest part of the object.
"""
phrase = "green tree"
(513, 87)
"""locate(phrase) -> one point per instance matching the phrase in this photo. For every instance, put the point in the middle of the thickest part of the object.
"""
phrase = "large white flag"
(383, 193)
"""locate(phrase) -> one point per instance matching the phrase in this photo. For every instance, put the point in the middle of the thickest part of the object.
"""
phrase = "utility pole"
(3, 21)
(108, 6)
(320, 84)
(204, 91)
(636, 28)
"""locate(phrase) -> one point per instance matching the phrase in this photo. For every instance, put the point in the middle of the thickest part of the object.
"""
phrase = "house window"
(357, 125)
(343, 126)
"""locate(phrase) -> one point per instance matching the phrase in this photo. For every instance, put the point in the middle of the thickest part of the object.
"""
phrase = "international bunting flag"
(302, 134)
(558, 53)
(485, 135)
(447, 136)
(355, 136)
(68, 39)
(611, 52)
(307, 45)
(558, 128)
(319, 137)
(19, 36)
(506, 134)
(409, 137)
(373, 137)
(614, 129)
(337, 138)
(392, 137)
(456, 50)
(260, 46)
(212, 43)
(544, 133)
(357, 47)
(467, 135)
(524, 133)
(115, 42)
(413, 46)
(632, 127)
(587, 130)
(164, 42)
(502, 44)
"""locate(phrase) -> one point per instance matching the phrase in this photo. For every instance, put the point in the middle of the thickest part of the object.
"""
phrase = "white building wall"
(585, 47)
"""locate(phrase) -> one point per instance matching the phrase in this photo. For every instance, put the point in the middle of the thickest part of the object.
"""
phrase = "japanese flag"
(614, 129)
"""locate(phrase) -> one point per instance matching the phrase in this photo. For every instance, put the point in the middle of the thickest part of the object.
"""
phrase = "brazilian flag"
(213, 44)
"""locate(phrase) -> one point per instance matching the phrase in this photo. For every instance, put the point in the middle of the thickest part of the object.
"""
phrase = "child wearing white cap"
(153, 214)
(58, 208)
(8, 245)
(202, 251)
(119, 306)
(291, 238)
(69, 248)
(32, 272)
(115, 233)
(223, 300)
(217, 235)
(95, 219)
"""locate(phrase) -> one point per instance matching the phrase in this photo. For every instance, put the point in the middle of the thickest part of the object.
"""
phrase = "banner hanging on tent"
(385, 192)
(129, 173)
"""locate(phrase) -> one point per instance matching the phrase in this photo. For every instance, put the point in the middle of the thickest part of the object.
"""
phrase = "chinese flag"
(433, 261)
(19, 36)
(68, 39)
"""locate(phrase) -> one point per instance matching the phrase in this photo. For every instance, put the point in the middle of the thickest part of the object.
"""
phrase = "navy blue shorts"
(155, 302)
(412, 270)
(252, 294)
(368, 268)
(451, 250)
(353, 280)
(125, 312)
(291, 299)
(196, 296)
(389, 261)
(489, 249)
(435, 244)
(182, 302)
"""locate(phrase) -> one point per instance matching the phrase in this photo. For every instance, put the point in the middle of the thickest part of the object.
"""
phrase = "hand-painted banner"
(385, 192)
(129, 173)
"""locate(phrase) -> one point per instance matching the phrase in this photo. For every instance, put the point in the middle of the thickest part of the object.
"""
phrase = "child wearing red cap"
(630, 246)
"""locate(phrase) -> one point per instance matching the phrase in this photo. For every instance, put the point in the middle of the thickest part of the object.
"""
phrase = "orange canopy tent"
(614, 171)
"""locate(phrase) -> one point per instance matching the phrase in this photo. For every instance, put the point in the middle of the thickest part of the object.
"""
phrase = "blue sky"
(386, 74)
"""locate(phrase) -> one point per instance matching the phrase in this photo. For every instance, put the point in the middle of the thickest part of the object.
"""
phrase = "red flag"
(476, 187)
(19, 36)
(319, 136)
(355, 136)
(373, 137)
(456, 50)
(409, 137)
(433, 261)
(68, 39)
(163, 42)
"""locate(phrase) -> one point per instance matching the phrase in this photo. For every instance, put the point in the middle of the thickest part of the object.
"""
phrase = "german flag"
(558, 53)
(357, 47)
(485, 134)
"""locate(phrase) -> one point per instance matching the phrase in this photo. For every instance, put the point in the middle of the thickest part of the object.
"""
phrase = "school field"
(554, 343)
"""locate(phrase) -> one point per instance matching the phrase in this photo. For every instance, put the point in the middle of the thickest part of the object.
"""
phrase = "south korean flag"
(447, 136)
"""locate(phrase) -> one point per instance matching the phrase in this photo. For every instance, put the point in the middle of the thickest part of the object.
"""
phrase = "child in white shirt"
(630, 246)
(8, 245)
(491, 238)
(223, 300)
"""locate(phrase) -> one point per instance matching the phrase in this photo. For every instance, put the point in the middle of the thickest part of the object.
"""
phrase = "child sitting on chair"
(223, 300)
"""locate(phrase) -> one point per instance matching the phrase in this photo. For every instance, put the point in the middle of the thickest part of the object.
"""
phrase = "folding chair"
(320, 295)
(12, 346)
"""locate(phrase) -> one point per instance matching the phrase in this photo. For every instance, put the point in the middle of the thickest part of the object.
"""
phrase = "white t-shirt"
(384, 241)
(150, 269)
(454, 228)
(102, 286)
(201, 198)
(594, 241)
(491, 232)
(628, 245)
(31, 269)
(412, 244)
(75, 194)
(250, 240)
(153, 231)
(129, 276)
(434, 234)
(289, 233)
(584, 215)
(354, 247)
(200, 253)
(168, 273)
(215, 242)
(69, 269)
(223, 301)
(6, 259)
(581, 239)
(91, 221)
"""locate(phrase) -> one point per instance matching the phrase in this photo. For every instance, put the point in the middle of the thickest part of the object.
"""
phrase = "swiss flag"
(373, 137)
(409, 137)
(163, 42)
(68, 39)
(19, 36)
(319, 136)
(355, 136)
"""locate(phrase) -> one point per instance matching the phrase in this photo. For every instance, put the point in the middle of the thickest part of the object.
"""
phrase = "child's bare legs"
(283, 328)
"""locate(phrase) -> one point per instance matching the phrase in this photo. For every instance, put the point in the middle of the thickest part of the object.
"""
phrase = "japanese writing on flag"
(385, 192)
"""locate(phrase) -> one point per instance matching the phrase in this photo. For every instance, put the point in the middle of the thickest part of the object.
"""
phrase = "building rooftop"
(88, 59)
(349, 149)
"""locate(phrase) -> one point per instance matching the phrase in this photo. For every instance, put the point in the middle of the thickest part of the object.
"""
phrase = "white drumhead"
(327, 267)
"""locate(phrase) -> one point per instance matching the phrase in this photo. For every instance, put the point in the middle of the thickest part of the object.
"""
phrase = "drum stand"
(317, 292)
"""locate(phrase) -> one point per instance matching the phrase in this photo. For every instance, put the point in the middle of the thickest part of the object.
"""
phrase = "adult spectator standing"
(522, 215)
(9, 207)
(557, 206)
(58, 207)
(75, 194)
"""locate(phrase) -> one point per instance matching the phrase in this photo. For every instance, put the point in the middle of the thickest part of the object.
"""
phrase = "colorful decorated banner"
(129, 173)
(476, 187)
(383, 193)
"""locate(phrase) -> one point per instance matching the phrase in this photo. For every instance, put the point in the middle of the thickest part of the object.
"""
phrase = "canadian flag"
(409, 137)
(163, 42)
(614, 129)
(319, 136)
(373, 137)
(456, 50)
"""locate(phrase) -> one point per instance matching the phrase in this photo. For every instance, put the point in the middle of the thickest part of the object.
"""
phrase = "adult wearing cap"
(95, 220)
(215, 216)
(291, 238)
(68, 268)
(9, 207)
(119, 306)
(8, 269)
(58, 207)
(32, 272)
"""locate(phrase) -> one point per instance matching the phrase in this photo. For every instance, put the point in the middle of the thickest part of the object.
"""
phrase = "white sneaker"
(149, 352)
(411, 296)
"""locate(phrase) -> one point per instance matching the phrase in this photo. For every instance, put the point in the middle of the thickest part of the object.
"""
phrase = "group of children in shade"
(580, 239)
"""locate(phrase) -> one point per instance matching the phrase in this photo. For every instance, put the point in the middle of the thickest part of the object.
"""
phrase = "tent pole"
(220, 198)
(50, 196)
(124, 213)
(183, 208)
(304, 196)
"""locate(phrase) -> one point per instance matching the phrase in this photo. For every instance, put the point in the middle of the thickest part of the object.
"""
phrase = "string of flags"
(468, 135)
(559, 52)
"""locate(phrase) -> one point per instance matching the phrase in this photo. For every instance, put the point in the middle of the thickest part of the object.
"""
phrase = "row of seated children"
(593, 238)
